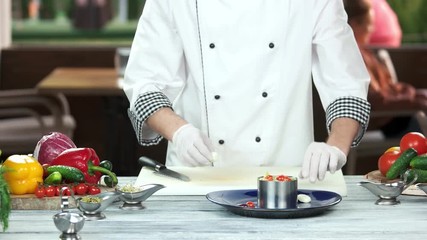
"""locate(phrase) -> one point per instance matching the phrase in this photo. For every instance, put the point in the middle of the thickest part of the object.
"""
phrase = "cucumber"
(71, 174)
(53, 178)
(419, 162)
(422, 175)
(401, 163)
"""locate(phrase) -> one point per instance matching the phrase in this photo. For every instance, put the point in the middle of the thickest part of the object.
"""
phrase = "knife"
(162, 169)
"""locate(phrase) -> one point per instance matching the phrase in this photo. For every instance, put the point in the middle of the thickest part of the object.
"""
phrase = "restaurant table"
(82, 82)
(120, 143)
(194, 217)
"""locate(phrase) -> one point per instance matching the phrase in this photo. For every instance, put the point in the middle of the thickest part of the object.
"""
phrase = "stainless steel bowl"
(69, 223)
(388, 192)
(133, 200)
(93, 210)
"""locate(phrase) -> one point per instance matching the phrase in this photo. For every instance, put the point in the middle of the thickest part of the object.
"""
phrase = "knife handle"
(150, 163)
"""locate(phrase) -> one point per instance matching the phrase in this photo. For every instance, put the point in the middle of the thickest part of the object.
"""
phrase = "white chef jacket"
(241, 71)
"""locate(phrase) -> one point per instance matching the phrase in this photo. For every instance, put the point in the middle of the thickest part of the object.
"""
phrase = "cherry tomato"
(386, 160)
(50, 191)
(268, 177)
(280, 178)
(57, 190)
(250, 204)
(40, 192)
(66, 191)
(81, 189)
(414, 140)
(395, 148)
(93, 189)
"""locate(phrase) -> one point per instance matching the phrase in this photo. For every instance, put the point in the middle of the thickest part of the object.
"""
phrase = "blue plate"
(235, 200)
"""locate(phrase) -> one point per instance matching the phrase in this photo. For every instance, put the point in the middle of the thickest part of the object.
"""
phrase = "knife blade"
(162, 169)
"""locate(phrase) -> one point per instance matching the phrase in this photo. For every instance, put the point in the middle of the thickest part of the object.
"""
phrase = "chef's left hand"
(319, 158)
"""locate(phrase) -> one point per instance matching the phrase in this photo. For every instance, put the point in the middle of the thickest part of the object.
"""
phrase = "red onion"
(51, 145)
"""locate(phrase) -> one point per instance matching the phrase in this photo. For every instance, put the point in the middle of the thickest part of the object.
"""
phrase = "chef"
(229, 82)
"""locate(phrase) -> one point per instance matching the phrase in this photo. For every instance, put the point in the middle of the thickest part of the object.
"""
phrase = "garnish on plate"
(279, 178)
(248, 204)
(303, 198)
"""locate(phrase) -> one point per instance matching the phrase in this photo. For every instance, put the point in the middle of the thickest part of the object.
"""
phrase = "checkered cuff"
(350, 107)
(147, 104)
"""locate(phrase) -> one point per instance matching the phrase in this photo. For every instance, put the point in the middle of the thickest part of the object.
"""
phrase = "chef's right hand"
(193, 146)
(319, 158)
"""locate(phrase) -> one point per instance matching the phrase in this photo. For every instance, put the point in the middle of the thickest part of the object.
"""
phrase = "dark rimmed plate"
(234, 201)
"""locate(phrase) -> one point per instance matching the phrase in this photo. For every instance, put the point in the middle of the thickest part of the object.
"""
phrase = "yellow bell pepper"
(25, 174)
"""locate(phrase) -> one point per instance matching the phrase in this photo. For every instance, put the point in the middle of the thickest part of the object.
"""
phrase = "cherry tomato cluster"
(280, 178)
(78, 189)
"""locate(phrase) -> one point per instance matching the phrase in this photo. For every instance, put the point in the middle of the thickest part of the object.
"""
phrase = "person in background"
(91, 14)
(385, 92)
(233, 79)
(386, 27)
(34, 10)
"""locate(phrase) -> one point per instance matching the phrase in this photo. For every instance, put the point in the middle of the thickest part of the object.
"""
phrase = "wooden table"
(82, 81)
(194, 217)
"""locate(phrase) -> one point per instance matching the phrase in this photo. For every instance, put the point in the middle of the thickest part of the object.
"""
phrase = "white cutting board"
(209, 179)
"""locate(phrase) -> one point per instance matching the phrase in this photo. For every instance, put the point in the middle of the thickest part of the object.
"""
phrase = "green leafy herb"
(5, 202)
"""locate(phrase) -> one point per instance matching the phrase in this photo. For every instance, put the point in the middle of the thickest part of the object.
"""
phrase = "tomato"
(250, 204)
(282, 178)
(57, 190)
(40, 192)
(268, 177)
(92, 190)
(386, 160)
(66, 191)
(81, 189)
(395, 148)
(414, 140)
(50, 191)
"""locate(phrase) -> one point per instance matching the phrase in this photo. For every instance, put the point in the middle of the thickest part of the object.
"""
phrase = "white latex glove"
(319, 158)
(193, 146)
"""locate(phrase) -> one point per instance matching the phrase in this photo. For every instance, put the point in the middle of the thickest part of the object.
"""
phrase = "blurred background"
(82, 22)
(112, 22)
(412, 15)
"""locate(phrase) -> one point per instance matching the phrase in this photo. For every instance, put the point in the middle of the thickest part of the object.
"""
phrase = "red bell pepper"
(87, 161)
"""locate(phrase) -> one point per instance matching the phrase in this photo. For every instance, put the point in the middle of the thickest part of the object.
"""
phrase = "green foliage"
(412, 16)
(134, 8)
(5, 202)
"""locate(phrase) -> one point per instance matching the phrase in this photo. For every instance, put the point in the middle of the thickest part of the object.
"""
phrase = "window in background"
(74, 22)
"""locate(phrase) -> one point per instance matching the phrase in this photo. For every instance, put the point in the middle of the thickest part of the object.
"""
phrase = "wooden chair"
(25, 116)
